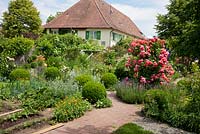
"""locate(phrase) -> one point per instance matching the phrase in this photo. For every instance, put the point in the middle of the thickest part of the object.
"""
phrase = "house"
(95, 20)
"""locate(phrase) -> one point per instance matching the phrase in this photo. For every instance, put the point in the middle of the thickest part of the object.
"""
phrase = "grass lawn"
(131, 128)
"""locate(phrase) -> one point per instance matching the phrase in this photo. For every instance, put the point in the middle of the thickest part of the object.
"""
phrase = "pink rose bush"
(148, 59)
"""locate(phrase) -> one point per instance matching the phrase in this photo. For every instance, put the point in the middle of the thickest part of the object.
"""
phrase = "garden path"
(101, 121)
(105, 121)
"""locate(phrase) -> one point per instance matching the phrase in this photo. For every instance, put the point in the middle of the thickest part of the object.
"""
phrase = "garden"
(46, 79)
(64, 76)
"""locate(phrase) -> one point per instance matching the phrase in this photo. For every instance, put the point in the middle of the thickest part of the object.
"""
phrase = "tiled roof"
(95, 14)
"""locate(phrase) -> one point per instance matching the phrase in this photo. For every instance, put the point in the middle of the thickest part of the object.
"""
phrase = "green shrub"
(52, 73)
(109, 79)
(103, 103)
(156, 103)
(34, 64)
(131, 128)
(6, 67)
(18, 46)
(93, 91)
(39, 99)
(57, 45)
(83, 79)
(130, 93)
(70, 108)
(55, 62)
(20, 74)
(121, 71)
(109, 57)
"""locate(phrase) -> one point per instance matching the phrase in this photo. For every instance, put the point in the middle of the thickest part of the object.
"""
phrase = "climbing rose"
(148, 59)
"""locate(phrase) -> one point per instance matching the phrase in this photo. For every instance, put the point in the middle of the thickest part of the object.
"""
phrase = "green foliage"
(39, 99)
(57, 45)
(109, 57)
(121, 47)
(93, 91)
(5, 67)
(174, 106)
(121, 71)
(51, 17)
(91, 45)
(21, 18)
(130, 93)
(180, 26)
(70, 108)
(52, 73)
(109, 79)
(54, 62)
(83, 79)
(103, 103)
(34, 64)
(20, 74)
(156, 103)
(131, 128)
(18, 46)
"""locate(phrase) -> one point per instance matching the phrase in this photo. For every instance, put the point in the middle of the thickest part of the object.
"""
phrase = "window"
(117, 37)
(93, 35)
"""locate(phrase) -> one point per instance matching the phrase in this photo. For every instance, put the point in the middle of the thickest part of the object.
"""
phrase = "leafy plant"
(156, 103)
(83, 79)
(130, 92)
(109, 79)
(20, 74)
(103, 103)
(52, 73)
(70, 108)
(93, 91)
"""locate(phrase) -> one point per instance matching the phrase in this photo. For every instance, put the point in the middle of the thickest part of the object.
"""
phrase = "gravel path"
(105, 121)
(157, 127)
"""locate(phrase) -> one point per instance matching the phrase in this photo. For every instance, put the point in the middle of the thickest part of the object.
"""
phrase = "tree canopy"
(180, 26)
(51, 17)
(21, 18)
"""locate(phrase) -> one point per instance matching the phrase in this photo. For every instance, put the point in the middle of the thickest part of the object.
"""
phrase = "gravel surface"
(157, 127)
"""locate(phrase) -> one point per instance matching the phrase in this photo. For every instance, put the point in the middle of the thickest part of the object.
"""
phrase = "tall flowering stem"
(148, 59)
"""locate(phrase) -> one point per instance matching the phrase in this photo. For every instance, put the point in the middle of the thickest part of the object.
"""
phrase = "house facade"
(94, 20)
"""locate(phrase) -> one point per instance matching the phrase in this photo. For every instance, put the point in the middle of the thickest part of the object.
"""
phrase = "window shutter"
(98, 35)
(87, 35)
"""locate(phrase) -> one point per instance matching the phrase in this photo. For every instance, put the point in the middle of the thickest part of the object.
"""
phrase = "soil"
(9, 123)
(32, 129)
(8, 106)
(35, 127)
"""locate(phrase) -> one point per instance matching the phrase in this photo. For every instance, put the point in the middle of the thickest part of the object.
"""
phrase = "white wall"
(105, 35)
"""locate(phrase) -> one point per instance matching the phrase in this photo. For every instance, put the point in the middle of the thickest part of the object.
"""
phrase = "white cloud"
(51, 7)
(144, 18)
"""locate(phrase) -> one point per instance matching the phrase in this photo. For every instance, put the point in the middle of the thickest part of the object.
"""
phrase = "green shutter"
(87, 35)
(98, 35)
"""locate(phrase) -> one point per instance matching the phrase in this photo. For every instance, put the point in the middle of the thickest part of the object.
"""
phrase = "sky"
(142, 12)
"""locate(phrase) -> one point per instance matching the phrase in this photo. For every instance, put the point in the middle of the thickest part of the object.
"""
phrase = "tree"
(51, 17)
(21, 18)
(180, 26)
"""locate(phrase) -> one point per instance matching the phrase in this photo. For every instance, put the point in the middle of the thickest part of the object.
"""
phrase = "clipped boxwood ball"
(20, 74)
(82, 79)
(93, 91)
(52, 73)
(109, 79)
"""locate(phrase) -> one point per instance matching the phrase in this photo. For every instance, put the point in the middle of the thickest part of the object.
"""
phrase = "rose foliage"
(148, 59)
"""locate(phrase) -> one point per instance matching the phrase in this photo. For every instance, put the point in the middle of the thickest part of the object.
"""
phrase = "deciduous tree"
(21, 18)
